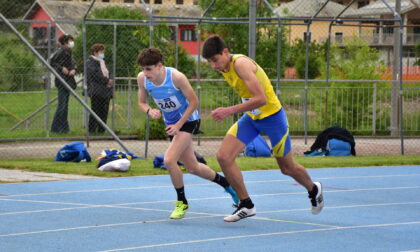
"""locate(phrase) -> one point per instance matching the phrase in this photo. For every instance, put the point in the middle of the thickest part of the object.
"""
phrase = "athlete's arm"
(181, 82)
(246, 70)
(142, 99)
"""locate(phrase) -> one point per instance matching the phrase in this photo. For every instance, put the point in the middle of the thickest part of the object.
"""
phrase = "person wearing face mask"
(63, 63)
(99, 86)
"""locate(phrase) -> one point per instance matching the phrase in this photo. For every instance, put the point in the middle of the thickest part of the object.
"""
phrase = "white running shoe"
(241, 213)
(317, 200)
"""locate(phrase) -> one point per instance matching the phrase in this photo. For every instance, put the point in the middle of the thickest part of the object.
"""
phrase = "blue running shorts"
(274, 126)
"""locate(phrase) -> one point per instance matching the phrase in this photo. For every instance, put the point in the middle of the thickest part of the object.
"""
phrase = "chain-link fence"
(330, 64)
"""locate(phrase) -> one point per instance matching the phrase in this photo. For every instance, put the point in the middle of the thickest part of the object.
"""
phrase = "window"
(53, 35)
(416, 29)
(158, 1)
(362, 3)
(105, 1)
(409, 53)
(339, 37)
(188, 35)
(179, 1)
(40, 34)
(128, 1)
(388, 30)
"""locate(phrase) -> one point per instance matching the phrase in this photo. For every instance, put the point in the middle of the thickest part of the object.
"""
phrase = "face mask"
(102, 56)
(71, 44)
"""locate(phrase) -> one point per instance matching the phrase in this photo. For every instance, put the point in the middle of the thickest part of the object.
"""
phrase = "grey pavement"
(8, 175)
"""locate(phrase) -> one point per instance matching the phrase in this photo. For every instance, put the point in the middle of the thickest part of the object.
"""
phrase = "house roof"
(75, 11)
(378, 8)
(305, 8)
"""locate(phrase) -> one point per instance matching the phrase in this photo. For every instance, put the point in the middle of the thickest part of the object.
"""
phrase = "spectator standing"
(64, 64)
(99, 84)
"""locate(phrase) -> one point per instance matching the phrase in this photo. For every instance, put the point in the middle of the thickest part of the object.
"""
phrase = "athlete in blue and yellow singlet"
(263, 113)
(263, 118)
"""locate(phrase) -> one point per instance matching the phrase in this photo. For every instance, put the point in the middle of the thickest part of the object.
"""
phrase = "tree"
(356, 61)
(18, 66)
(237, 42)
(14, 9)
(131, 39)
(297, 58)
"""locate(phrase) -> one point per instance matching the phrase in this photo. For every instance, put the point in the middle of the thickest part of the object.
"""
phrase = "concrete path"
(7, 175)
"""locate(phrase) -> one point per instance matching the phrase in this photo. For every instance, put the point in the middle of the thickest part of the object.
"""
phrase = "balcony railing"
(376, 39)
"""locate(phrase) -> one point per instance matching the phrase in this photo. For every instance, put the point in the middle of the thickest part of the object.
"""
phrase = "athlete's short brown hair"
(149, 57)
(212, 46)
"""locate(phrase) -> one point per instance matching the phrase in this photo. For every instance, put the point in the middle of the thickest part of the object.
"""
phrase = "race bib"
(254, 111)
(168, 104)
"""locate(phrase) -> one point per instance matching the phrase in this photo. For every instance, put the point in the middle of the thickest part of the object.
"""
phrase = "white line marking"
(207, 184)
(100, 226)
(46, 210)
(291, 221)
(192, 199)
(202, 215)
(265, 234)
(342, 207)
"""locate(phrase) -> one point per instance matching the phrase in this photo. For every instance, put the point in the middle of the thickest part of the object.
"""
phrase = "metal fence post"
(48, 86)
(199, 111)
(114, 72)
(129, 104)
(374, 109)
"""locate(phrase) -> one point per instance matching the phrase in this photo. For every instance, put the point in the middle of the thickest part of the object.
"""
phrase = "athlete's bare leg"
(226, 157)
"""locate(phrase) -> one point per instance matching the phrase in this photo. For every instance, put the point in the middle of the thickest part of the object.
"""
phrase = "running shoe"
(179, 211)
(241, 213)
(233, 194)
(317, 199)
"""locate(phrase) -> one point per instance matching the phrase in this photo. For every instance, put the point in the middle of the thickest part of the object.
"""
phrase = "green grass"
(145, 167)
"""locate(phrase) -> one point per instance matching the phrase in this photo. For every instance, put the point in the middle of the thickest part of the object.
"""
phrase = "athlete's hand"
(172, 129)
(155, 113)
(220, 113)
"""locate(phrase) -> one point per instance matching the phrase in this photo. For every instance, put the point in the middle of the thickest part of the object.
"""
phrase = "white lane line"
(100, 226)
(343, 207)
(205, 184)
(85, 191)
(45, 210)
(264, 234)
(192, 199)
(202, 215)
(291, 221)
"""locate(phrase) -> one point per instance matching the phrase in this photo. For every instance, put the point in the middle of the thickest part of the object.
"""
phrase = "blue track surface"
(367, 209)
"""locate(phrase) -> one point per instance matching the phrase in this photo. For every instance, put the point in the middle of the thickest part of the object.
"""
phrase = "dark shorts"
(192, 127)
